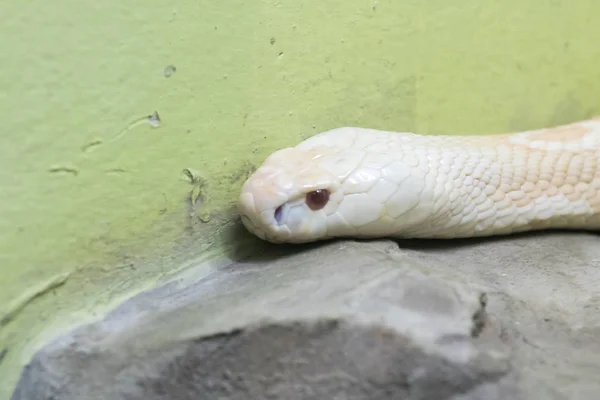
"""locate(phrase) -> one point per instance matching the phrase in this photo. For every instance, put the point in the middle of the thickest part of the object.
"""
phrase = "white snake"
(363, 183)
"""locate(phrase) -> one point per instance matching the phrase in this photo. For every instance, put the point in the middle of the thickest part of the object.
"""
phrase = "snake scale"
(365, 183)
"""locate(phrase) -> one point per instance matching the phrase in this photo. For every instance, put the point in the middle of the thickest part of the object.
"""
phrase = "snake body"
(406, 185)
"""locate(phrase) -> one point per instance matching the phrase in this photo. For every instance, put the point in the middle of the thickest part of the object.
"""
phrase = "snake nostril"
(278, 214)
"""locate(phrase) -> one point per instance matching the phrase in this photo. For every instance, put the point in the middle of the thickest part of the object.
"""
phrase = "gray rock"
(508, 318)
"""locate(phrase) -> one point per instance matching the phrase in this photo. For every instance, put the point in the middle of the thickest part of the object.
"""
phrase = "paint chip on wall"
(169, 70)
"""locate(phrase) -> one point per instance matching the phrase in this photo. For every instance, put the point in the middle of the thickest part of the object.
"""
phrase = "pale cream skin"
(404, 185)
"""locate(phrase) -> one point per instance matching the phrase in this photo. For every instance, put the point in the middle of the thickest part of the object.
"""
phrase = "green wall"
(93, 202)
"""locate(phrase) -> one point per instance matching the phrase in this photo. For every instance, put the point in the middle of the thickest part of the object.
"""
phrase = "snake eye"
(317, 199)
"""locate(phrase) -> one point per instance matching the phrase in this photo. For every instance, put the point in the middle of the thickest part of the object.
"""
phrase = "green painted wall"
(93, 204)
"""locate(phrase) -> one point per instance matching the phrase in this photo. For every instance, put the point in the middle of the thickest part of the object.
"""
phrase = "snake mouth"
(278, 215)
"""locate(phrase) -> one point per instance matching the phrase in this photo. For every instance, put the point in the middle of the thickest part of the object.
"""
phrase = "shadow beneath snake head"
(247, 248)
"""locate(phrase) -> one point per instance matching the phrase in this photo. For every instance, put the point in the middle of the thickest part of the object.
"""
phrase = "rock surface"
(511, 318)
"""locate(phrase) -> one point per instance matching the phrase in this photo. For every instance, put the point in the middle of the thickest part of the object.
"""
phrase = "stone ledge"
(351, 320)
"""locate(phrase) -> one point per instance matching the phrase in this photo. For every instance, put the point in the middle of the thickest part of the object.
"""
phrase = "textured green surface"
(83, 226)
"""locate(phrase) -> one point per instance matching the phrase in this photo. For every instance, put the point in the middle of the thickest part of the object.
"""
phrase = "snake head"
(289, 198)
(344, 182)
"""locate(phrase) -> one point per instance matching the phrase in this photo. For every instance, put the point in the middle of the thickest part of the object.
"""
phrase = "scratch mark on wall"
(32, 294)
(116, 171)
(192, 175)
(197, 198)
(91, 145)
(62, 168)
(152, 119)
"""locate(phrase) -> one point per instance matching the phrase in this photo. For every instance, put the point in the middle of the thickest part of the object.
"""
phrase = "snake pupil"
(317, 199)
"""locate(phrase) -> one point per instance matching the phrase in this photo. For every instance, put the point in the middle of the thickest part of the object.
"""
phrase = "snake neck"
(508, 186)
